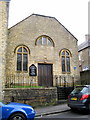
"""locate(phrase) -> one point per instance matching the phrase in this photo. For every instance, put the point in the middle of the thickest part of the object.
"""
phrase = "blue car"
(16, 111)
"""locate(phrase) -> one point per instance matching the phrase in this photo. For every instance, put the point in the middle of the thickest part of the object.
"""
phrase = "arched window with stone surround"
(22, 58)
(65, 60)
(44, 41)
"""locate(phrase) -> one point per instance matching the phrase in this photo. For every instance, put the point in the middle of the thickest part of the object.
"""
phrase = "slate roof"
(84, 45)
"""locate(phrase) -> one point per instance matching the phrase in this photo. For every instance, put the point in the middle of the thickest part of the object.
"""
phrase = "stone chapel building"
(38, 50)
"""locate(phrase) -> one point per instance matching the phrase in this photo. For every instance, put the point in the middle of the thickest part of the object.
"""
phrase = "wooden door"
(45, 76)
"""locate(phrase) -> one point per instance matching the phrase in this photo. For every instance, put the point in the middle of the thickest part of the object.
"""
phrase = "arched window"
(22, 58)
(44, 40)
(65, 60)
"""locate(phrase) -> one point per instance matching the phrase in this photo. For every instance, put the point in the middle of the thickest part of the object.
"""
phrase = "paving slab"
(51, 109)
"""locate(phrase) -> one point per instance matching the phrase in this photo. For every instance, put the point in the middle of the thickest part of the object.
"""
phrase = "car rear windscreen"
(81, 89)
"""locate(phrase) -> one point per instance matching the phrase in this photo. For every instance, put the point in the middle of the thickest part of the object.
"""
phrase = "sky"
(73, 14)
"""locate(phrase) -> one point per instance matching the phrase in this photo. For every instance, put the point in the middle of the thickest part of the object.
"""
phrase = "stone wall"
(84, 59)
(32, 96)
(3, 42)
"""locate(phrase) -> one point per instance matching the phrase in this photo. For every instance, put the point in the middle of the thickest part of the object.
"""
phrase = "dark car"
(16, 111)
(79, 98)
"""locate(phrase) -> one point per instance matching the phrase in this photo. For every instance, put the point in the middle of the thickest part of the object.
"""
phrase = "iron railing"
(17, 81)
(67, 81)
(24, 80)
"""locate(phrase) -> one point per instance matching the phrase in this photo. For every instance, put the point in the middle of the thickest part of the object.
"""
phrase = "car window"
(85, 90)
(80, 89)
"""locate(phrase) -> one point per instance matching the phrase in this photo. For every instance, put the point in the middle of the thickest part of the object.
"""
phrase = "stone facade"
(84, 54)
(3, 43)
(84, 59)
(26, 33)
(47, 55)
(43, 55)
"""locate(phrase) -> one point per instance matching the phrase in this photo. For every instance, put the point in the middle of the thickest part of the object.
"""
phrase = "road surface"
(69, 115)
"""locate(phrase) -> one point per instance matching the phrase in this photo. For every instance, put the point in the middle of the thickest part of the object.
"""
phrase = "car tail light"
(68, 96)
(84, 97)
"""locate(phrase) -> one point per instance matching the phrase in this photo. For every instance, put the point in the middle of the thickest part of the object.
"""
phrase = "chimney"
(87, 37)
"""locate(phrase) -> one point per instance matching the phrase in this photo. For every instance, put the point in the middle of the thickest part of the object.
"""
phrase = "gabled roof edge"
(43, 16)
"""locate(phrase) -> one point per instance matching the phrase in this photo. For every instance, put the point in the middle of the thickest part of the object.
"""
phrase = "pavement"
(61, 107)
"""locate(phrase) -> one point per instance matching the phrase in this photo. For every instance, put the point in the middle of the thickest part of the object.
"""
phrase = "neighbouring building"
(84, 54)
(39, 51)
(84, 60)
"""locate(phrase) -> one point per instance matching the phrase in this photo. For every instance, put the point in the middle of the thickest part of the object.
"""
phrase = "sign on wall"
(32, 70)
(75, 67)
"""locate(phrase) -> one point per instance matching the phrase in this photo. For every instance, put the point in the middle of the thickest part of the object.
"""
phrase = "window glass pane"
(20, 49)
(68, 64)
(49, 43)
(63, 64)
(24, 50)
(25, 62)
(44, 41)
(39, 42)
(80, 89)
(19, 62)
(63, 53)
(67, 53)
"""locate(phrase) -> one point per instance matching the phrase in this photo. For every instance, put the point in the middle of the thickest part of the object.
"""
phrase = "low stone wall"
(31, 96)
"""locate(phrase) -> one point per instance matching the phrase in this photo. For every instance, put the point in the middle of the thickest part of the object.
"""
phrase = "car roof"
(83, 86)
